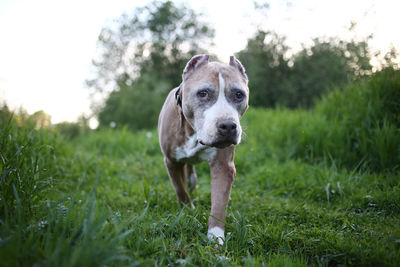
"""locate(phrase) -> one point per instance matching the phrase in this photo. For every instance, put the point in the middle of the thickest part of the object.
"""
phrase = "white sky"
(46, 46)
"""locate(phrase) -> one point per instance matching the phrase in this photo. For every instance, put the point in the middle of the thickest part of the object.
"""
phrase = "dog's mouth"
(220, 143)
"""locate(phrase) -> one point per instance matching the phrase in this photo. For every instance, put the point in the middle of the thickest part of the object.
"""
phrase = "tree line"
(142, 56)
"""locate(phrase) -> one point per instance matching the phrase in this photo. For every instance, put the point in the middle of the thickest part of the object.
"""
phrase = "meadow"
(314, 187)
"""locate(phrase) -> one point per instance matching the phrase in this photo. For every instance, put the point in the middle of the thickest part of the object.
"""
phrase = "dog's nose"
(226, 127)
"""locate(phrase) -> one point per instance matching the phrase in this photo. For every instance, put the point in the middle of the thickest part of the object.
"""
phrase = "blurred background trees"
(142, 56)
(296, 81)
(267, 67)
(37, 120)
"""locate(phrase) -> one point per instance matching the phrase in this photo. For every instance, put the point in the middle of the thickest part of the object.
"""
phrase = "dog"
(200, 121)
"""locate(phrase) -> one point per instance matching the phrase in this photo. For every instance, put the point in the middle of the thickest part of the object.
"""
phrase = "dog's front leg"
(223, 174)
(177, 176)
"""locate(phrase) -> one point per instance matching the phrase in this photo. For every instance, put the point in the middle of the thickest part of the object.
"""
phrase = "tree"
(155, 39)
(144, 55)
(5, 113)
(312, 71)
(136, 106)
(327, 63)
(40, 119)
(266, 66)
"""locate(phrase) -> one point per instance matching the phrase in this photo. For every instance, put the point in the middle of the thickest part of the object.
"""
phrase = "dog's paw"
(216, 233)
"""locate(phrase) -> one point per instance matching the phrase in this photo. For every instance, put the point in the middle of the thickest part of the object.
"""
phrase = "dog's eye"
(239, 95)
(202, 93)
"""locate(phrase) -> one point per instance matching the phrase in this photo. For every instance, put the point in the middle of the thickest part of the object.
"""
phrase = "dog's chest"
(194, 152)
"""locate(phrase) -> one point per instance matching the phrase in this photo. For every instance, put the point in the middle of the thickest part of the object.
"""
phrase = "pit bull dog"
(199, 121)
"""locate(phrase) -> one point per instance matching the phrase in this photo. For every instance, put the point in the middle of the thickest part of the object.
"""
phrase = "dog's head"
(214, 98)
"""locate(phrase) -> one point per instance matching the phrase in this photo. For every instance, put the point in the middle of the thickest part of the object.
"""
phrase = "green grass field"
(319, 187)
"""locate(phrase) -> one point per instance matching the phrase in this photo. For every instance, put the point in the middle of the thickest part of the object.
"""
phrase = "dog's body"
(200, 122)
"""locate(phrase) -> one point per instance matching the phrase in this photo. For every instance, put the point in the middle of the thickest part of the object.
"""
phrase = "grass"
(304, 195)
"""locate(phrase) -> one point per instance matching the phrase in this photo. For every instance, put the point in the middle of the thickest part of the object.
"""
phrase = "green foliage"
(136, 106)
(105, 198)
(141, 56)
(357, 126)
(149, 49)
(71, 130)
(368, 112)
(5, 113)
(296, 81)
(121, 143)
(24, 173)
(368, 101)
(38, 224)
(267, 68)
(316, 70)
(37, 120)
(156, 34)
(41, 120)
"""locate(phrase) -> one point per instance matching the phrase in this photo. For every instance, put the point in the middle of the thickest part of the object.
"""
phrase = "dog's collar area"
(178, 97)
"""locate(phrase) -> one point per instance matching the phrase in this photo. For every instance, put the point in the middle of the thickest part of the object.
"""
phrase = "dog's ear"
(236, 63)
(193, 64)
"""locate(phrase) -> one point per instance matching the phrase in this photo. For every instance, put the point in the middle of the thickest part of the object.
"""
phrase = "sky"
(46, 46)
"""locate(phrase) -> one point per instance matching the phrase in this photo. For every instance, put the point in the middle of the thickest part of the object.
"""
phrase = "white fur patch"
(221, 83)
(221, 109)
(195, 152)
(216, 233)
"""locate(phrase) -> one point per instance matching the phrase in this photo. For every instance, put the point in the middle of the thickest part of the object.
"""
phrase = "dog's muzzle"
(227, 134)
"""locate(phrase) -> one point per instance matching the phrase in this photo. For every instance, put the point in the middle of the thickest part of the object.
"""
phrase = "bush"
(136, 106)
(357, 126)
(69, 130)
(368, 114)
